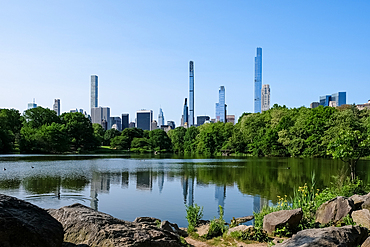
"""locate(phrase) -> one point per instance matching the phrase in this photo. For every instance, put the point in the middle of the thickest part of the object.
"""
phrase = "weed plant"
(217, 227)
(193, 214)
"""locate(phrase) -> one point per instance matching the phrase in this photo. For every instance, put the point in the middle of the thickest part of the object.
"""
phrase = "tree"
(98, 132)
(177, 137)
(159, 140)
(120, 142)
(80, 131)
(189, 139)
(109, 135)
(350, 146)
(37, 117)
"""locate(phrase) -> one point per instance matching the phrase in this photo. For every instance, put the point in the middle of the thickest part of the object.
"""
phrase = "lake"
(127, 186)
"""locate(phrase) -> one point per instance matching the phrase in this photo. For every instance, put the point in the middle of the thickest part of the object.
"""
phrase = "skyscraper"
(56, 106)
(220, 106)
(336, 99)
(31, 105)
(257, 80)
(100, 114)
(191, 94)
(185, 115)
(160, 118)
(94, 91)
(125, 121)
(265, 97)
(144, 119)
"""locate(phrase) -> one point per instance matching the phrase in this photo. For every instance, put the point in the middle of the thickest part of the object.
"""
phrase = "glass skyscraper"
(257, 80)
(220, 106)
(94, 91)
(185, 114)
(191, 93)
(160, 118)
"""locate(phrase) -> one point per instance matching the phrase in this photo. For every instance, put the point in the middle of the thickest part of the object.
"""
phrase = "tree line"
(341, 132)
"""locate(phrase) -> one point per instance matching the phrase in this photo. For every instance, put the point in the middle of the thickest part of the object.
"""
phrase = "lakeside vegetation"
(341, 132)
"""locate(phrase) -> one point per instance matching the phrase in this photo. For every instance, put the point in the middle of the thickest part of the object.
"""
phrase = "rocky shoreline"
(24, 224)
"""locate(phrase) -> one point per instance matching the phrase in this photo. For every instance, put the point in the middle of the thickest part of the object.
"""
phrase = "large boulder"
(362, 217)
(83, 225)
(280, 218)
(358, 200)
(334, 210)
(366, 243)
(24, 224)
(346, 236)
(366, 203)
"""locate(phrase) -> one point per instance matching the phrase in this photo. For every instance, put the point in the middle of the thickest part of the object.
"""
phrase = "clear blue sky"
(141, 49)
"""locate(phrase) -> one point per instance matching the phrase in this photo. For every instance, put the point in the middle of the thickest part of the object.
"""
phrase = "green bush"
(193, 214)
(217, 227)
(256, 234)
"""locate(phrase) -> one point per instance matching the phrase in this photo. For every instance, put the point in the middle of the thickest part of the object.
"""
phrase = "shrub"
(193, 214)
(217, 227)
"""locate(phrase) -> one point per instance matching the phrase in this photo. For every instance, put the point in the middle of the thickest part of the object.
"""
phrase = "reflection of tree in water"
(10, 183)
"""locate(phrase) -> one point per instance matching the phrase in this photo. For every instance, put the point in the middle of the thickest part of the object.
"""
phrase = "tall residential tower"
(160, 118)
(56, 106)
(221, 106)
(191, 93)
(94, 91)
(257, 80)
(265, 97)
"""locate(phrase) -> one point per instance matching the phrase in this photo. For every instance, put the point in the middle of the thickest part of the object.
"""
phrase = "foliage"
(98, 132)
(159, 140)
(193, 214)
(257, 234)
(217, 227)
(109, 135)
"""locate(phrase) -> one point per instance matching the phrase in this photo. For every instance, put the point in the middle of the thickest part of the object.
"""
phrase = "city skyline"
(141, 51)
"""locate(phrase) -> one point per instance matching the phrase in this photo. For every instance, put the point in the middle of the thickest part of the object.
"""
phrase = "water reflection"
(156, 183)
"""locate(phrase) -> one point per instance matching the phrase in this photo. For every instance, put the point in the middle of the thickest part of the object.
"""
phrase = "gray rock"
(171, 227)
(147, 220)
(358, 200)
(23, 224)
(366, 203)
(362, 217)
(83, 225)
(346, 236)
(366, 243)
(334, 210)
(241, 228)
(280, 218)
(243, 219)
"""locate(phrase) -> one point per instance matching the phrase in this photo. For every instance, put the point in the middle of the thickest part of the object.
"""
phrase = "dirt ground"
(197, 243)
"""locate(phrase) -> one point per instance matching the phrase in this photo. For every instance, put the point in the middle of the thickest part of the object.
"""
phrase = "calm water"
(128, 187)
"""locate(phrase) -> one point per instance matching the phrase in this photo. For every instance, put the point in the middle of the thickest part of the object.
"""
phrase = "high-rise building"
(56, 106)
(314, 104)
(230, 119)
(265, 95)
(202, 119)
(98, 114)
(257, 80)
(131, 125)
(116, 121)
(154, 125)
(221, 106)
(160, 118)
(125, 121)
(94, 91)
(171, 124)
(191, 94)
(337, 98)
(185, 116)
(31, 105)
(144, 119)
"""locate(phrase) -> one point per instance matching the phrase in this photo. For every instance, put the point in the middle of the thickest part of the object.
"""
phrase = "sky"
(141, 51)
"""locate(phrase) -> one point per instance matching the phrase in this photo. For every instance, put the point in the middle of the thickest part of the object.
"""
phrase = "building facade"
(144, 119)
(171, 124)
(131, 125)
(117, 121)
(265, 97)
(100, 115)
(185, 116)
(56, 106)
(191, 94)
(94, 92)
(257, 80)
(221, 106)
(125, 121)
(337, 98)
(314, 105)
(160, 118)
(202, 119)
(31, 105)
(154, 125)
(230, 119)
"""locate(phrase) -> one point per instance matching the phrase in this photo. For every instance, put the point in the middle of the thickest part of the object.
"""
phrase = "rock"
(358, 200)
(241, 228)
(334, 210)
(243, 219)
(202, 230)
(24, 224)
(366, 243)
(362, 217)
(171, 227)
(147, 220)
(83, 225)
(346, 236)
(281, 218)
(366, 203)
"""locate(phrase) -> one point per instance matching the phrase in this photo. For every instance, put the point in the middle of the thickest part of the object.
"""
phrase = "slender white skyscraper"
(160, 118)
(94, 91)
(265, 97)
(257, 80)
(191, 93)
(56, 106)
(221, 106)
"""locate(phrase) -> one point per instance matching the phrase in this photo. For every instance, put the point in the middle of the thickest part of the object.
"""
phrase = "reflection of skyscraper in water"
(160, 180)
(144, 180)
(100, 183)
(259, 203)
(188, 185)
(220, 195)
(125, 179)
